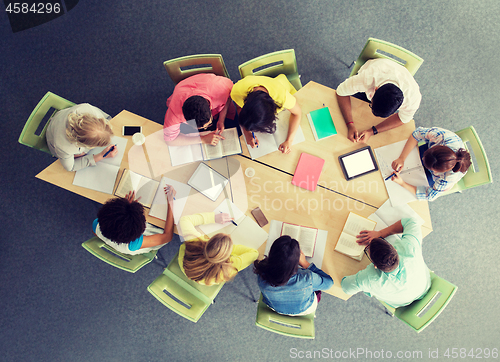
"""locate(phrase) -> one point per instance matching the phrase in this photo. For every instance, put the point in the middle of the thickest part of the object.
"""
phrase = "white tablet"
(358, 163)
(207, 181)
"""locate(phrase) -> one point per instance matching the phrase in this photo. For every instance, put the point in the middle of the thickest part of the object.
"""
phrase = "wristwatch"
(374, 130)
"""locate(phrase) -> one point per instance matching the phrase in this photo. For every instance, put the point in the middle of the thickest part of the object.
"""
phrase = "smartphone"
(259, 217)
(131, 130)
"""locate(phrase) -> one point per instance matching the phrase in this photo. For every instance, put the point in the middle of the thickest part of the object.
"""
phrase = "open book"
(228, 146)
(306, 236)
(270, 142)
(347, 242)
(413, 172)
(144, 187)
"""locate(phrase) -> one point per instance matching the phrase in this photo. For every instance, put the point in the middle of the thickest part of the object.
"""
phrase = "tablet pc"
(358, 163)
(207, 181)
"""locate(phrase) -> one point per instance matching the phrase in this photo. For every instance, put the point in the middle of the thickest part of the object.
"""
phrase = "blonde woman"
(73, 131)
(211, 260)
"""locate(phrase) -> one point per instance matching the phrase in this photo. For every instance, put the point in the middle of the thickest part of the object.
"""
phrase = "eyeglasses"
(368, 256)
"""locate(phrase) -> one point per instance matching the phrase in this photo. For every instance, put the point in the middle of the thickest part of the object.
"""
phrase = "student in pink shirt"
(202, 98)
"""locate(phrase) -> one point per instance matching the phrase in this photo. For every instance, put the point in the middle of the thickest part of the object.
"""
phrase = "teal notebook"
(321, 123)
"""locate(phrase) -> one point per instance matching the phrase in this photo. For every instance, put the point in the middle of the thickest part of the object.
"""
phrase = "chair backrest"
(291, 326)
(29, 136)
(183, 67)
(480, 173)
(423, 312)
(272, 65)
(182, 295)
(375, 48)
(130, 263)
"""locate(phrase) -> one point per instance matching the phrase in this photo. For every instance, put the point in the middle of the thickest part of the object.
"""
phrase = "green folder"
(321, 123)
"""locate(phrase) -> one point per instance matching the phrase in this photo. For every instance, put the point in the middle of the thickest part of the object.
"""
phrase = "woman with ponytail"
(211, 260)
(444, 156)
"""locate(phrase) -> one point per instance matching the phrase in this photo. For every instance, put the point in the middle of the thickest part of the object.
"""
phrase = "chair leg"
(160, 260)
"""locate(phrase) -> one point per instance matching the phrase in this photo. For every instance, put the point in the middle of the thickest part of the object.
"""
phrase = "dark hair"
(442, 158)
(282, 262)
(121, 221)
(197, 108)
(259, 112)
(386, 100)
(383, 255)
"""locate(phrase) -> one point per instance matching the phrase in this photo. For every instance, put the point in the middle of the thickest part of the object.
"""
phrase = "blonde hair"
(87, 130)
(209, 260)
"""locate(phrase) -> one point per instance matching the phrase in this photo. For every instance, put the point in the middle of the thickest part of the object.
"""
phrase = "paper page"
(307, 240)
(159, 206)
(291, 230)
(390, 214)
(347, 245)
(180, 155)
(100, 177)
(282, 130)
(358, 163)
(267, 144)
(144, 187)
(224, 208)
(249, 233)
(121, 144)
(207, 181)
(231, 143)
(210, 152)
(380, 223)
(355, 224)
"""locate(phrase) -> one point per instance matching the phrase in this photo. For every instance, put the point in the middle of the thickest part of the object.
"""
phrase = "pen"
(392, 174)
(253, 135)
(235, 224)
(107, 153)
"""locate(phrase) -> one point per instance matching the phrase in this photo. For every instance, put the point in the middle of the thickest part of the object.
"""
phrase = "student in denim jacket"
(285, 288)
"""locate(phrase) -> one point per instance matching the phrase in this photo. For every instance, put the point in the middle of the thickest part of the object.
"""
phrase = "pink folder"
(308, 171)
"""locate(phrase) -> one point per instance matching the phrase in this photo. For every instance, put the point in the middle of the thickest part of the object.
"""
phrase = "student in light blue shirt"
(398, 274)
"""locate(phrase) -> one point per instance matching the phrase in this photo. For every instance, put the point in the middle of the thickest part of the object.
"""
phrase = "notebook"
(321, 123)
(308, 171)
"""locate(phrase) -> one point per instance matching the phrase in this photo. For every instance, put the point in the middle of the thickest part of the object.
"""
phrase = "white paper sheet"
(159, 206)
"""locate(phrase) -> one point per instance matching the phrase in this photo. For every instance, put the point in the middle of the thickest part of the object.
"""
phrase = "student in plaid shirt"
(446, 159)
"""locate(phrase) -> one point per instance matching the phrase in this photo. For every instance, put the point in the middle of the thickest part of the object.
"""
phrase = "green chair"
(419, 314)
(376, 48)
(28, 136)
(291, 326)
(185, 297)
(475, 176)
(130, 263)
(272, 65)
(183, 67)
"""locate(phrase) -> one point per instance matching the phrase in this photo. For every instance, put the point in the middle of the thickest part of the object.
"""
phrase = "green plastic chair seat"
(183, 67)
(291, 326)
(375, 48)
(28, 135)
(419, 314)
(474, 176)
(187, 298)
(130, 263)
(272, 65)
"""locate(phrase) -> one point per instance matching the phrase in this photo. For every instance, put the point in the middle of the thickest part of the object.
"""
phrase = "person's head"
(386, 100)
(121, 221)
(259, 112)
(209, 260)
(87, 130)
(443, 159)
(282, 262)
(383, 255)
(197, 108)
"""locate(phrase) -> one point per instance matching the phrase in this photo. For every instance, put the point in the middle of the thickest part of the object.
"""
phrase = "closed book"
(308, 171)
(321, 123)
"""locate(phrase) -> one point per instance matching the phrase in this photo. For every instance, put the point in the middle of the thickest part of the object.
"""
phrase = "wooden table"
(270, 188)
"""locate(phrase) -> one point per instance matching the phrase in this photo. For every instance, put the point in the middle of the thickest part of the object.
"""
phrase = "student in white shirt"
(389, 87)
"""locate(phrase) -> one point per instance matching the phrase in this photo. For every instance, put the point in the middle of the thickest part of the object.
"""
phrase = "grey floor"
(59, 303)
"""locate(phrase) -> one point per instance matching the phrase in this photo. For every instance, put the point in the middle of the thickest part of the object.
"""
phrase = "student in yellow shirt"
(211, 260)
(258, 99)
